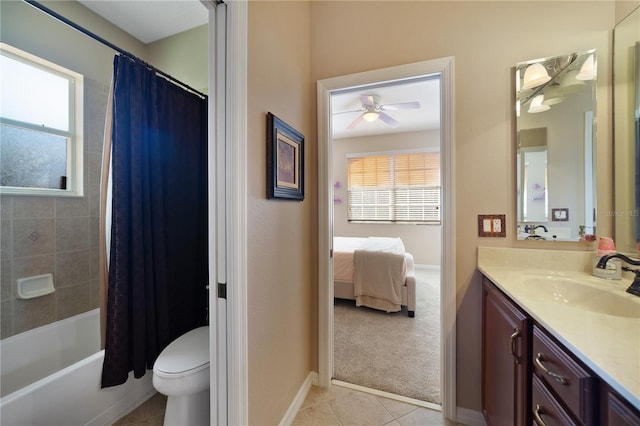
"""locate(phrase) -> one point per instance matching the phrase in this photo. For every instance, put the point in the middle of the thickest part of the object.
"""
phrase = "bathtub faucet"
(634, 288)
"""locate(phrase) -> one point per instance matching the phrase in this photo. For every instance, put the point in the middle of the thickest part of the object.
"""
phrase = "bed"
(376, 272)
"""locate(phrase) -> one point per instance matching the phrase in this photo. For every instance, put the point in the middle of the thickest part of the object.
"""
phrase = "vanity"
(560, 347)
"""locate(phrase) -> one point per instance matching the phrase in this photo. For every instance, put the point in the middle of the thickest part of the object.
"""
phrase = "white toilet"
(181, 372)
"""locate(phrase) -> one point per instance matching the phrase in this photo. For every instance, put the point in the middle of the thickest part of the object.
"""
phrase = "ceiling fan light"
(537, 105)
(535, 75)
(370, 116)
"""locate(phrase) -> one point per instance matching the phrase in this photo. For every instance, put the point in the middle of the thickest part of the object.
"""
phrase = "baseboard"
(429, 267)
(469, 417)
(298, 400)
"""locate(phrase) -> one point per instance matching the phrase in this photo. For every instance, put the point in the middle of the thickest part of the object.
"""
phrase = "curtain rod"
(107, 43)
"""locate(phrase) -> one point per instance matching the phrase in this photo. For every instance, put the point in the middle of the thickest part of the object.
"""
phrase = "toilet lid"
(188, 352)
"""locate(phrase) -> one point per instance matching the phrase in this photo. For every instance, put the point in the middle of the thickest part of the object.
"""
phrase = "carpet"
(390, 351)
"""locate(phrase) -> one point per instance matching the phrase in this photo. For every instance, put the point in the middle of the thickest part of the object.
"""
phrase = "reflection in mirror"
(626, 113)
(555, 112)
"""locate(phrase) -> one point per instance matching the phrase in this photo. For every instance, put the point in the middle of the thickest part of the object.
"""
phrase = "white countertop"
(608, 344)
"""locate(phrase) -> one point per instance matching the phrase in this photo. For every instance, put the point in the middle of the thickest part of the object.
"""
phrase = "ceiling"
(426, 91)
(150, 20)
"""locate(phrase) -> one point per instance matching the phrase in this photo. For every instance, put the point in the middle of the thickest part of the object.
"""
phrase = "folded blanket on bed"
(378, 276)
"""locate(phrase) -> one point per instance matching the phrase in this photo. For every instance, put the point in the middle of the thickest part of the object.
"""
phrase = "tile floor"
(335, 406)
(343, 406)
(150, 413)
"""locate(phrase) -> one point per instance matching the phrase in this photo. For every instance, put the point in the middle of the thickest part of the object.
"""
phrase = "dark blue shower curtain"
(158, 255)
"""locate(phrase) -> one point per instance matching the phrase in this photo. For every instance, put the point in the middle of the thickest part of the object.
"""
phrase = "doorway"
(386, 165)
(444, 69)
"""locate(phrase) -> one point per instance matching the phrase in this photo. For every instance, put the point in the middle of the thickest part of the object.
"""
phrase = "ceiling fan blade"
(368, 100)
(401, 105)
(355, 122)
(388, 119)
(350, 111)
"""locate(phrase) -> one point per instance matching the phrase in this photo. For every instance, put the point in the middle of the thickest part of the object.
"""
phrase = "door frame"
(445, 68)
(228, 34)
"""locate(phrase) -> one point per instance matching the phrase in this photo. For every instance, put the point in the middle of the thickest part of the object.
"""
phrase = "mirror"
(626, 114)
(555, 119)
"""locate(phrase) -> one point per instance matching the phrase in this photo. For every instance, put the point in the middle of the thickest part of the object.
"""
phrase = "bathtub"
(51, 376)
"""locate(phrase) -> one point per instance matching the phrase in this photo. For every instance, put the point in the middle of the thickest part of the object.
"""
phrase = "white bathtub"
(51, 376)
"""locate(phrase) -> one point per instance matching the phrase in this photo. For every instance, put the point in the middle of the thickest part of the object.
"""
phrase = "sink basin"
(584, 295)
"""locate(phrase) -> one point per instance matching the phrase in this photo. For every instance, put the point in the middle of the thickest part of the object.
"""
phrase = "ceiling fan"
(373, 110)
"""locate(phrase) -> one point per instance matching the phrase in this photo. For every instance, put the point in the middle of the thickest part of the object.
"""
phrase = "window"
(396, 187)
(40, 126)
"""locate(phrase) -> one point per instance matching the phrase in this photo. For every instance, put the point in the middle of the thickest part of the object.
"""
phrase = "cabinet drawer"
(567, 379)
(546, 411)
(620, 413)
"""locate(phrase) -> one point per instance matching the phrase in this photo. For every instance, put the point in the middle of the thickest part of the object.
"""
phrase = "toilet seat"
(186, 355)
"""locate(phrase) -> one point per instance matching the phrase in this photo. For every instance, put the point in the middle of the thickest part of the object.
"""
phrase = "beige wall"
(624, 8)
(184, 56)
(281, 286)
(422, 241)
(487, 39)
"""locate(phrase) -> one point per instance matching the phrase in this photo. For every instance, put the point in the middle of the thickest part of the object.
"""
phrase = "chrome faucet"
(634, 288)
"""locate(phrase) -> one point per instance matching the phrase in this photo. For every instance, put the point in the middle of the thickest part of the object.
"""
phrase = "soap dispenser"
(613, 268)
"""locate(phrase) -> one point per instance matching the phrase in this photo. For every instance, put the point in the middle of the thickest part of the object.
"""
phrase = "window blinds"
(402, 187)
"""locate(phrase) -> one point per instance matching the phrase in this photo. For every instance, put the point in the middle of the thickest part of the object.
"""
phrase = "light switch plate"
(491, 225)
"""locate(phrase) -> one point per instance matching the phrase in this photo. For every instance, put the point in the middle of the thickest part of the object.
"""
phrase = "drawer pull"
(537, 416)
(512, 344)
(558, 378)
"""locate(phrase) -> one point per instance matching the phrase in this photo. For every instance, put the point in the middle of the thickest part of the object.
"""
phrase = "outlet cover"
(491, 225)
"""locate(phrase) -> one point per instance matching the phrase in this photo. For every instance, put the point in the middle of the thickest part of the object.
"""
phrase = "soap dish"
(36, 286)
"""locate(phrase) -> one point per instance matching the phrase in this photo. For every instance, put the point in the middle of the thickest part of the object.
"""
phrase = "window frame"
(75, 136)
(393, 188)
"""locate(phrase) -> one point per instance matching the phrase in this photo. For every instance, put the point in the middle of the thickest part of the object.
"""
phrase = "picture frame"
(285, 160)
(560, 215)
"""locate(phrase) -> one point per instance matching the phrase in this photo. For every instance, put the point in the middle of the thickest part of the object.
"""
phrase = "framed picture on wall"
(285, 160)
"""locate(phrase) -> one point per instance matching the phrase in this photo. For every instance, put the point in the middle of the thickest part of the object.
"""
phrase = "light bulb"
(537, 105)
(535, 75)
(587, 70)
(370, 116)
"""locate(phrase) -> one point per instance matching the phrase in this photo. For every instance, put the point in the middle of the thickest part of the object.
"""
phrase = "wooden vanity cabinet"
(505, 360)
(547, 410)
(573, 386)
(618, 412)
(529, 377)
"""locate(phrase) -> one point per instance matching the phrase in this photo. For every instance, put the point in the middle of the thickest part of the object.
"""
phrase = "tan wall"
(487, 39)
(184, 56)
(422, 241)
(281, 289)
(624, 8)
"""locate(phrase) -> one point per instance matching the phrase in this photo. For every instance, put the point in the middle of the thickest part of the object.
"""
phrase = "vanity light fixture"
(537, 105)
(552, 95)
(570, 83)
(587, 70)
(535, 75)
(370, 116)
